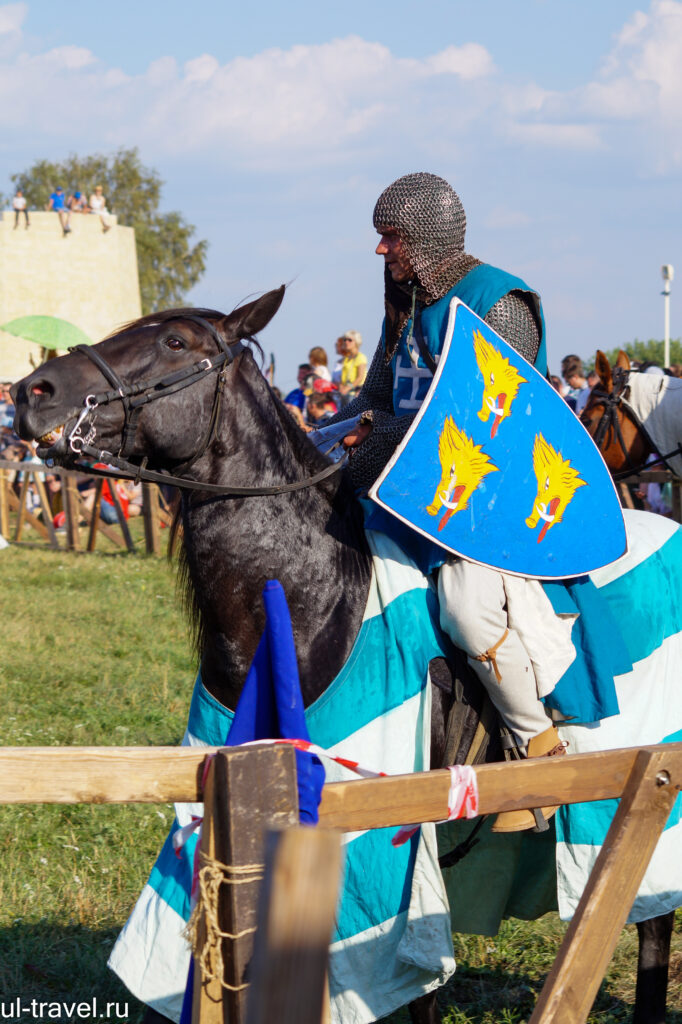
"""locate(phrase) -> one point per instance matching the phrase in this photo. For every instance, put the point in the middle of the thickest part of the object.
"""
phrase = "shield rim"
(455, 304)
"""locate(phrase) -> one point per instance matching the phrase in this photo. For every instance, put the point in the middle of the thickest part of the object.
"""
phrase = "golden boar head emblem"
(501, 382)
(463, 466)
(557, 483)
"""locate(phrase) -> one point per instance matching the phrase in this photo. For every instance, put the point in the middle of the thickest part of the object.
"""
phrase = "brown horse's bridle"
(613, 401)
(135, 397)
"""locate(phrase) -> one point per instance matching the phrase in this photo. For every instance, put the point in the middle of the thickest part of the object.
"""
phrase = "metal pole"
(667, 272)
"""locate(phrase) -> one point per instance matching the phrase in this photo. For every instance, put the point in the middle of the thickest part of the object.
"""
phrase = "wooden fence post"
(677, 499)
(94, 516)
(248, 790)
(71, 511)
(150, 511)
(295, 922)
(573, 982)
(47, 510)
(22, 510)
(122, 521)
(4, 504)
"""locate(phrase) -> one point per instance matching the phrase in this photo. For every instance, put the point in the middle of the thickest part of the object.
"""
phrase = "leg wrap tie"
(489, 655)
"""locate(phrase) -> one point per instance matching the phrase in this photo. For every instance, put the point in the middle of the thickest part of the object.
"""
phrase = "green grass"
(95, 651)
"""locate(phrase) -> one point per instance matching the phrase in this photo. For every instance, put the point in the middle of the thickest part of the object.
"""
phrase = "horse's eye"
(492, 379)
(176, 344)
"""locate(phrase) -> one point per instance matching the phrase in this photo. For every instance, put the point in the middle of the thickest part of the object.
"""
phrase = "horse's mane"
(300, 449)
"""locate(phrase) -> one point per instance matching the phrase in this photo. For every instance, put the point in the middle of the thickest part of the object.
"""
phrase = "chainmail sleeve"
(375, 404)
(514, 318)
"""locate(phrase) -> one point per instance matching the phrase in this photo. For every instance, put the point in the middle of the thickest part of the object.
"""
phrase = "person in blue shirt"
(58, 204)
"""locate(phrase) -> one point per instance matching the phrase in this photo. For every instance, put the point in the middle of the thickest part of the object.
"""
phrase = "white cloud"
(307, 103)
(557, 136)
(333, 102)
(468, 61)
(639, 84)
(12, 17)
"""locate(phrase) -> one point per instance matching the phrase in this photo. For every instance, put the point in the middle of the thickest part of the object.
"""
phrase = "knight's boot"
(546, 744)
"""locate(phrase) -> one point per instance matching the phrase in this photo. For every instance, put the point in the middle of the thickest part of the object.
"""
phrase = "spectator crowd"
(65, 205)
(321, 392)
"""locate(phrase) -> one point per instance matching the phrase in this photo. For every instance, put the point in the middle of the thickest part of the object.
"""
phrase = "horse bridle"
(134, 397)
(612, 400)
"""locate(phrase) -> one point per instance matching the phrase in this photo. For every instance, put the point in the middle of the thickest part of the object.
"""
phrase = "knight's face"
(392, 248)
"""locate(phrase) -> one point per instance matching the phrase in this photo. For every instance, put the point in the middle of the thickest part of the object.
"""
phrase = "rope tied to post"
(203, 930)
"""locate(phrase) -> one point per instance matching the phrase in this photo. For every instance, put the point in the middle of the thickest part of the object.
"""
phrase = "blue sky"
(275, 127)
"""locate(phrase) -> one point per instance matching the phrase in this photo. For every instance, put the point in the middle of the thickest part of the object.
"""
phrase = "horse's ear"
(254, 316)
(623, 361)
(603, 368)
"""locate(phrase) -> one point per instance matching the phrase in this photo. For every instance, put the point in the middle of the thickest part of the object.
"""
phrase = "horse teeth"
(52, 436)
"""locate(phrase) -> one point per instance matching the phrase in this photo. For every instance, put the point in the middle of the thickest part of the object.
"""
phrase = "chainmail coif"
(428, 215)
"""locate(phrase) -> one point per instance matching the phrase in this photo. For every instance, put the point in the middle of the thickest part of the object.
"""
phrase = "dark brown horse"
(179, 393)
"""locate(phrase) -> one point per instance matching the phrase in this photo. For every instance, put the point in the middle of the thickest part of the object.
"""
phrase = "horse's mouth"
(51, 437)
(53, 445)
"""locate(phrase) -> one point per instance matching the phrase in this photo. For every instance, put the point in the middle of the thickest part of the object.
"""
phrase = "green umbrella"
(48, 331)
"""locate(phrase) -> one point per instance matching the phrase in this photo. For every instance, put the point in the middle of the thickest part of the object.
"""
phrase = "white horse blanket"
(525, 874)
(657, 401)
(393, 932)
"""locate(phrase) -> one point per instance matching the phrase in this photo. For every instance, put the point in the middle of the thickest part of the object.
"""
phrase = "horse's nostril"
(42, 388)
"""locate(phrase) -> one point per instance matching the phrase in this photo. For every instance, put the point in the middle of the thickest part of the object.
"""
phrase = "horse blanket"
(526, 874)
(392, 940)
(657, 401)
(393, 932)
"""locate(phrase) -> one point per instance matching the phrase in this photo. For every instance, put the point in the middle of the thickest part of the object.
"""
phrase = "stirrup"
(546, 744)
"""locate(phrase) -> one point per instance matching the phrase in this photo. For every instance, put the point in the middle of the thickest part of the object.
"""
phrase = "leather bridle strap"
(135, 396)
(128, 471)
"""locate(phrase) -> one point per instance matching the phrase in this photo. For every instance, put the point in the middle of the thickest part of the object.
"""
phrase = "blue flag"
(271, 707)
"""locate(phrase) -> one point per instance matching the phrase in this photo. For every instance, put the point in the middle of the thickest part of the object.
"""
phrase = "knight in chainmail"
(515, 643)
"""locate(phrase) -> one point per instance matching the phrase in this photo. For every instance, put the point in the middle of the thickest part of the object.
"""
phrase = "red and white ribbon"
(462, 800)
(462, 795)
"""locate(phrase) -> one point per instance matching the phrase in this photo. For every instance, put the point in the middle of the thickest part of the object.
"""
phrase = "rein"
(612, 400)
(134, 397)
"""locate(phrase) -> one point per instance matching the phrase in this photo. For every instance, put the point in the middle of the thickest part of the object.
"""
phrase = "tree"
(169, 265)
(648, 351)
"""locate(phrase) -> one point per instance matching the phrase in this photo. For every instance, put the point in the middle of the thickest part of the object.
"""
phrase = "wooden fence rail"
(653, 476)
(19, 480)
(68, 775)
(647, 780)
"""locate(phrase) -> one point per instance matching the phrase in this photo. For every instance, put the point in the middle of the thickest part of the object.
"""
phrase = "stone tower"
(88, 277)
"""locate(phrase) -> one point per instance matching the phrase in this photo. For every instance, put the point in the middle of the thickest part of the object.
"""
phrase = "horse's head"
(608, 419)
(127, 395)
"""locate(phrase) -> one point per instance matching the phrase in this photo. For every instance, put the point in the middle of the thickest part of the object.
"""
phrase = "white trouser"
(515, 643)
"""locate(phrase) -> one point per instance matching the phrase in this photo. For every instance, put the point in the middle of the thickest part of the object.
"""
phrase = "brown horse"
(631, 416)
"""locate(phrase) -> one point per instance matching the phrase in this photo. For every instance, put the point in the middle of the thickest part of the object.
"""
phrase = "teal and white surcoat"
(480, 289)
